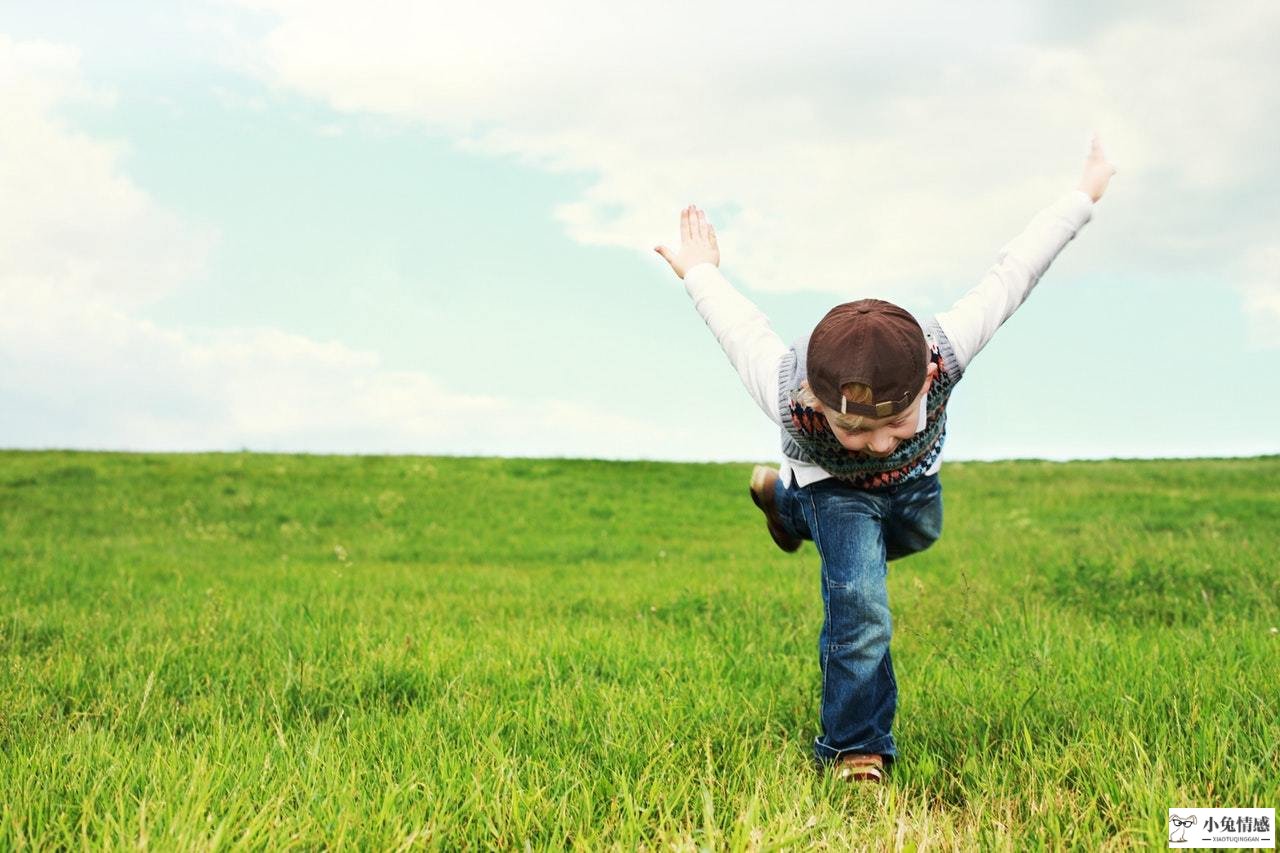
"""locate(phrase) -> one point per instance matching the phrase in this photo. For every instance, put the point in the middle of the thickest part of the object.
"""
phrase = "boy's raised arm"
(973, 320)
(741, 328)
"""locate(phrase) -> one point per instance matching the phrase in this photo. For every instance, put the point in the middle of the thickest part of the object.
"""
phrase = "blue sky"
(284, 226)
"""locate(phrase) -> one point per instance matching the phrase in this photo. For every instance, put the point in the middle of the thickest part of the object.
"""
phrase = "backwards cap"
(871, 342)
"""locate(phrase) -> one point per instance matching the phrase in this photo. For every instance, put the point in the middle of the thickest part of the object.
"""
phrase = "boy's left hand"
(697, 243)
(1097, 172)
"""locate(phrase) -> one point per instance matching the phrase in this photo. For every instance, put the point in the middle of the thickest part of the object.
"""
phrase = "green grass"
(227, 651)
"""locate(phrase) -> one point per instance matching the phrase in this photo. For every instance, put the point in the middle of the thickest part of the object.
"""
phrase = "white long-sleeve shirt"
(755, 350)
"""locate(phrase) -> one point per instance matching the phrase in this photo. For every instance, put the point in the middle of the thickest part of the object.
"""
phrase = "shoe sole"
(759, 476)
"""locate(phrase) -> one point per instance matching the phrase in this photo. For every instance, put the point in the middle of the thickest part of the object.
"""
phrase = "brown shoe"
(763, 479)
(853, 767)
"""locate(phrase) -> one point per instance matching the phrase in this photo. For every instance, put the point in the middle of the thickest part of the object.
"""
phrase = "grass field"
(223, 651)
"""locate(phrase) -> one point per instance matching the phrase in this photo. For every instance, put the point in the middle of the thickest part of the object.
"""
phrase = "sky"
(404, 227)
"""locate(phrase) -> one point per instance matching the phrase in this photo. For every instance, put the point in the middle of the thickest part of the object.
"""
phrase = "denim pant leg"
(788, 501)
(914, 522)
(857, 532)
(859, 693)
(915, 517)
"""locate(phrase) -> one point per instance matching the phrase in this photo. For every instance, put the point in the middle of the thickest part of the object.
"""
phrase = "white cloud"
(84, 251)
(840, 149)
(67, 215)
(137, 385)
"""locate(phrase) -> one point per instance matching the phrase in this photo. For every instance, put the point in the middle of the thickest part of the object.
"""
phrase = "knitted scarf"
(807, 436)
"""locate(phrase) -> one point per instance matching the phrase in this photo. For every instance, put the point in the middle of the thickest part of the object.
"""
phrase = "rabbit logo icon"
(1178, 828)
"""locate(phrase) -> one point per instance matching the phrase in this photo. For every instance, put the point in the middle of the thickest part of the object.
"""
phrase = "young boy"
(861, 401)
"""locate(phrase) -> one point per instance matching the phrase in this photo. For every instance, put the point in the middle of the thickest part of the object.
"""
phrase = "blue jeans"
(857, 531)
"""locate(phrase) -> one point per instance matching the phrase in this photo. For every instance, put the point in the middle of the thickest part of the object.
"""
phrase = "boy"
(861, 401)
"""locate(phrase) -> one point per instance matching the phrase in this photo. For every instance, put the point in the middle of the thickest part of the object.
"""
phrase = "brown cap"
(871, 342)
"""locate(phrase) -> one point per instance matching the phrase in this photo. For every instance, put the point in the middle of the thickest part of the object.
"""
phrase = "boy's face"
(880, 437)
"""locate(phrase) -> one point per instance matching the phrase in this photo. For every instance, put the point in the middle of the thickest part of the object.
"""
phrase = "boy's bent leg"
(859, 693)
(790, 513)
(914, 521)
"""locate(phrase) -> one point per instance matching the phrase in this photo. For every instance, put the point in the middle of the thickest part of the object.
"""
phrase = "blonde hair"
(854, 392)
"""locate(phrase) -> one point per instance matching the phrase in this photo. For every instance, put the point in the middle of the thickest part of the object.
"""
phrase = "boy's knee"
(858, 622)
(912, 543)
(922, 530)
(926, 535)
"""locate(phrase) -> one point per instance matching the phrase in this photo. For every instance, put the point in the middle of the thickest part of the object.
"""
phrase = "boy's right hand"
(697, 243)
